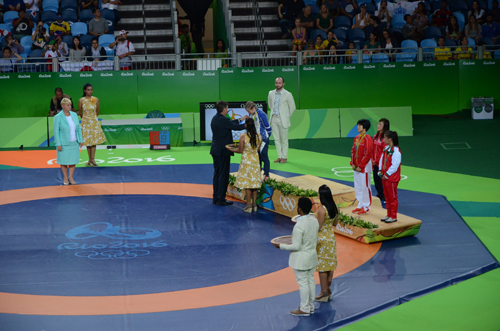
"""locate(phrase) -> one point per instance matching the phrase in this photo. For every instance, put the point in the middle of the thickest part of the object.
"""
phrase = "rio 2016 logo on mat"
(115, 249)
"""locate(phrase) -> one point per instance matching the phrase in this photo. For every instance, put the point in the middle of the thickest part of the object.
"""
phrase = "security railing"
(213, 61)
(175, 27)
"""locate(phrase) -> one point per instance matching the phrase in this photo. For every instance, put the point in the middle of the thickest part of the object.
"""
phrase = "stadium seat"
(70, 16)
(370, 8)
(49, 17)
(380, 58)
(366, 58)
(7, 27)
(342, 22)
(9, 16)
(459, 6)
(363, 1)
(68, 39)
(78, 28)
(450, 42)
(26, 42)
(86, 15)
(69, 4)
(110, 53)
(36, 53)
(315, 33)
(51, 5)
(428, 46)
(460, 20)
(314, 10)
(405, 57)
(341, 36)
(108, 14)
(393, 29)
(472, 42)
(489, 42)
(107, 39)
(357, 35)
(86, 39)
(490, 5)
(497, 55)
(432, 32)
(436, 5)
(410, 45)
(34, 18)
(428, 8)
(398, 21)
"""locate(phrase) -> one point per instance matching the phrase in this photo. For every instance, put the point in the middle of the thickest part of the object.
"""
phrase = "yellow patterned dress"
(249, 172)
(327, 246)
(91, 127)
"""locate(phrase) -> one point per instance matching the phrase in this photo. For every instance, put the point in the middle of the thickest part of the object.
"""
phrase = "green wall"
(440, 87)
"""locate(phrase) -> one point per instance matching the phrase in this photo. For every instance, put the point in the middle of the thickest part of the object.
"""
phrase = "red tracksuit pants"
(391, 198)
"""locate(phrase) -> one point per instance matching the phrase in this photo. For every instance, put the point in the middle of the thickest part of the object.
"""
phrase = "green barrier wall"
(399, 117)
(440, 87)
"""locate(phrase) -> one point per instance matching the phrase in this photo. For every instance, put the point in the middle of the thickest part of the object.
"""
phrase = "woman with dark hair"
(77, 52)
(372, 45)
(327, 215)
(333, 57)
(378, 150)
(249, 176)
(388, 43)
(420, 17)
(464, 52)
(390, 171)
(472, 29)
(88, 109)
(453, 30)
(478, 12)
(221, 52)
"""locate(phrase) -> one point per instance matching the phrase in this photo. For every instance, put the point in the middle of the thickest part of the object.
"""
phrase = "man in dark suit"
(222, 136)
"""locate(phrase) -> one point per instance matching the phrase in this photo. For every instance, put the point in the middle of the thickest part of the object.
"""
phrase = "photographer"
(51, 51)
(40, 37)
(123, 49)
(13, 44)
(383, 13)
(23, 25)
(89, 4)
(410, 31)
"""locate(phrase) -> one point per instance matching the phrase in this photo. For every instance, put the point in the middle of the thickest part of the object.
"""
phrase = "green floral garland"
(284, 188)
(355, 221)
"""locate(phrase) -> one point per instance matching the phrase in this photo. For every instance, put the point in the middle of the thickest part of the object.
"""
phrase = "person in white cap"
(123, 49)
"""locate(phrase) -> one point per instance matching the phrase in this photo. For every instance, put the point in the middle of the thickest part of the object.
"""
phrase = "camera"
(121, 39)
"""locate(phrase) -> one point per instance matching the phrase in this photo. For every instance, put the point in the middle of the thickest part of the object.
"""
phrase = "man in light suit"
(303, 258)
(282, 106)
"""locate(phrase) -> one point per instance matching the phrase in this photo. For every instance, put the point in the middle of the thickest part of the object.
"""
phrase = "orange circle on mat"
(350, 254)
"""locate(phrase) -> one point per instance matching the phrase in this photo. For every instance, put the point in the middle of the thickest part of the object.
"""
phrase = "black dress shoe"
(224, 203)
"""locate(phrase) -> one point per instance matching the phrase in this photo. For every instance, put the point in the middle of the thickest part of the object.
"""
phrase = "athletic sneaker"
(391, 220)
(357, 210)
(384, 219)
(298, 312)
(364, 211)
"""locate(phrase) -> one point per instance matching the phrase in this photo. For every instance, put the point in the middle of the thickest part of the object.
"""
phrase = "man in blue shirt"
(490, 29)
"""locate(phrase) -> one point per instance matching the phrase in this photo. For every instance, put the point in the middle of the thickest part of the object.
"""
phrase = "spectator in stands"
(124, 49)
(320, 45)
(351, 52)
(23, 25)
(333, 7)
(13, 44)
(388, 43)
(311, 55)
(490, 29)
(96, 52)
(333, 57)
(441, 16)
(383, 13)
(362, 18)
(14, 5)
(442, 52)
(324, 20)
(40, 37)
(420, 17)
(472, 28)
(495, 11)
(411, 31)
(185, 39)
(112, 5)
(32, 6)
(77, 52)
(288, 11)
(89, 4)
(453, 30)
(60, 25)
(486, 54)
(331, 37)
(55, 102)
(221, 52)
(373, 45)
(98, 26)
(478, 12)
(299, 37)
(307, 20)
(61, 46)
(6, 64)
(349, 8)
(51, 51)
(464, 52)
(374, 25)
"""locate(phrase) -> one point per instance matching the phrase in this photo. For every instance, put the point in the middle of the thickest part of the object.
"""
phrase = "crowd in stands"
(328, 30)
(69, 30)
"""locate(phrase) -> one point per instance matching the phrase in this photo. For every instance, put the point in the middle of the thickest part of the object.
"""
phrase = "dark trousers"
(221, 177)
(264, 158)
(378, 183)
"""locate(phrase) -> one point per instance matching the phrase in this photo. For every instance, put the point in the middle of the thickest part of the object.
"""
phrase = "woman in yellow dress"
(88, 108)
(249, 176)
(328, 216)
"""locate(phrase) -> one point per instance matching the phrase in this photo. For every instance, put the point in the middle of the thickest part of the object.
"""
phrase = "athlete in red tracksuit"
(378, 150)
(390, 171)
(361, 163)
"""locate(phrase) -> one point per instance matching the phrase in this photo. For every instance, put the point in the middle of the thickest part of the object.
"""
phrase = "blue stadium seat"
(36, 53)
(366, 58)
(86, 39)
(405, 57)
(380, 58)
(342, 22)
(315, 33)
(7, 27)
(428, 46)
(49, 17)
(490, 5)
(370, 8)
(314, 9)
(497, 55)
(68, 39)
(459, 6)
(110, 52)
(9, 16)
(398, 21)
(86, 15)
(357, 35)
(107, 39)
(432, 32)
(410, 45)
(34, 18)
(341, 36)
(26, 42)
(78, 28)
(472, 42)
(108, 14)
(450, 42)
(489, 42)
(460, 20)
(51, 5)
(70, 16)
(69, 4)
(363, 1)
(393, 29)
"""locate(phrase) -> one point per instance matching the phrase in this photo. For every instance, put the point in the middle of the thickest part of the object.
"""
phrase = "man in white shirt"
(123, 50)
(303, 257)
(282, 106)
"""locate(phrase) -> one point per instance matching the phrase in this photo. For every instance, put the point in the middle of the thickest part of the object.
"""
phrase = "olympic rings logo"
(165, 128)
(349, 172)
(287, 203)
(128, 129)
(209, 106)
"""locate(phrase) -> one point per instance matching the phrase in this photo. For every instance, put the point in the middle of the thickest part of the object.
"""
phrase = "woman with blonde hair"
(68, 139)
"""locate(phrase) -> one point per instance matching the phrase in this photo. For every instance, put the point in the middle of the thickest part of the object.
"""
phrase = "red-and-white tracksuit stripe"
(362, 179)
(390, 166)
